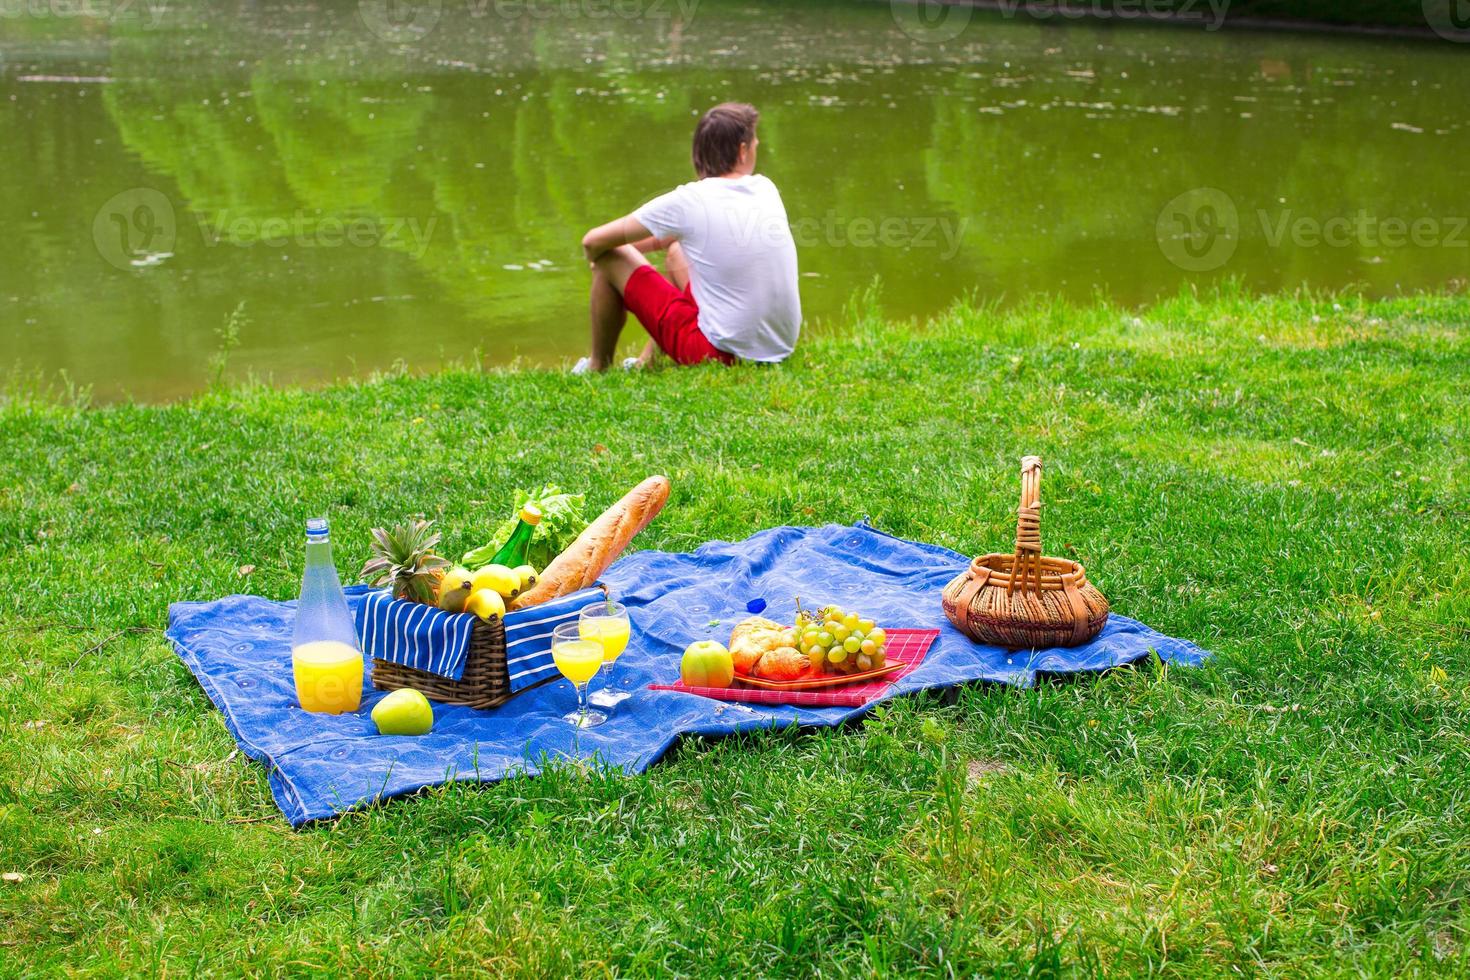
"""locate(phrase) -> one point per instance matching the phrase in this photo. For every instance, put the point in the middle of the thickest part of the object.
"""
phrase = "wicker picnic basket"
(492, 674)
(1025, 601)
(485, 682)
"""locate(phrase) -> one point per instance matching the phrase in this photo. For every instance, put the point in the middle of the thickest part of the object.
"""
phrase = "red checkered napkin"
(908, 647)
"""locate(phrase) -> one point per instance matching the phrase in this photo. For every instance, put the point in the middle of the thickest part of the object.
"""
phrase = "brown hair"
(718, 136)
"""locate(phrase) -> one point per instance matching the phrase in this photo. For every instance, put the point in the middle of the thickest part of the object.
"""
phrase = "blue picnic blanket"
(321, 765)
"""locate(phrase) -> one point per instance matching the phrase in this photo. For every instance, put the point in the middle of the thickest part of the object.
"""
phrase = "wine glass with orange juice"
(606, 623)
(579, 660)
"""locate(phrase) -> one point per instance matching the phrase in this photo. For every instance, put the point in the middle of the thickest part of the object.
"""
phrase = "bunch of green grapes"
(840, 642)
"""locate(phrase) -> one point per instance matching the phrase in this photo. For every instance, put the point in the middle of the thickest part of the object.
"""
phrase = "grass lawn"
(1285, 481)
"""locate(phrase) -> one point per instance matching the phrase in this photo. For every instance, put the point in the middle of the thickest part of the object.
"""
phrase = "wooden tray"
(813, 683)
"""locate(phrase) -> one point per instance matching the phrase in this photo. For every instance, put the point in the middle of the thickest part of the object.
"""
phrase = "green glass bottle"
(518, 545)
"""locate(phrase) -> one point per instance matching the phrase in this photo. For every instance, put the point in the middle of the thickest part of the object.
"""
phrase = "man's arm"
(651, 244)
(624, 231)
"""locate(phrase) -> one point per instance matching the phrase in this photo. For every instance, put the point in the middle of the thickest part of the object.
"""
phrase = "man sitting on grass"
(730, 256)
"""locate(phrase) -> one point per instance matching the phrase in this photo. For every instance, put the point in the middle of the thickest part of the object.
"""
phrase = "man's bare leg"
(676, 264)
(610, 273)
(608, 316)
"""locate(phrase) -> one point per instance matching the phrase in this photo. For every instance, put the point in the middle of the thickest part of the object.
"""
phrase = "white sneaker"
(631, 364)
(583, 366)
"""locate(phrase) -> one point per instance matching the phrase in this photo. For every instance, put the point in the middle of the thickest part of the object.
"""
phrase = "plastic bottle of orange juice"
(326, 659)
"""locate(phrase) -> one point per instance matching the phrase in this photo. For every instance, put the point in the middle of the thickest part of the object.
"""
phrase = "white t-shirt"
(742, 261)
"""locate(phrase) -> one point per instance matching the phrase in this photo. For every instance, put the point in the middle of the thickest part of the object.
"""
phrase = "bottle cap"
(316, 527)
(531, 514)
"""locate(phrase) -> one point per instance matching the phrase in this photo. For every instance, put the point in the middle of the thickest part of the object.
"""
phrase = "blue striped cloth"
(419, 636)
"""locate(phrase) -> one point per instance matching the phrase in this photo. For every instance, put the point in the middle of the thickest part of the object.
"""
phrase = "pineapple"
(403, 558)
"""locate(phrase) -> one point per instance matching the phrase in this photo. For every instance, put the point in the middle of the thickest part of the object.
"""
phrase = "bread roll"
(784, 664)
(586, 558)
(750, 641)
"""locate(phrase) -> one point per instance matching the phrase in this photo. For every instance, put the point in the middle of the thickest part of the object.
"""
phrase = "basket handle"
(1028, 528)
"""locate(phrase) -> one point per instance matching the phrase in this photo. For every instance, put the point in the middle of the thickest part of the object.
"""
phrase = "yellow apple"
(707, 663)
(403, 712)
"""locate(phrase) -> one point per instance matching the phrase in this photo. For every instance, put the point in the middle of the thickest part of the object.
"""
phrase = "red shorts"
(671, 317)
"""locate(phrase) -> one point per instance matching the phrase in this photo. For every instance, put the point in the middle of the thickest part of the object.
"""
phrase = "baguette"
(586, 558)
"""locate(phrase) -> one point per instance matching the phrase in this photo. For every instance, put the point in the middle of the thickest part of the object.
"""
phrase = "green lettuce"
(562, 520)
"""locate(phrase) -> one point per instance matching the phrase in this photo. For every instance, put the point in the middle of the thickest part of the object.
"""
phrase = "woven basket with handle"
(1026, 601)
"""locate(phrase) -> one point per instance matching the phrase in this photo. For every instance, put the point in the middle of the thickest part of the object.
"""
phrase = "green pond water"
(374, 184)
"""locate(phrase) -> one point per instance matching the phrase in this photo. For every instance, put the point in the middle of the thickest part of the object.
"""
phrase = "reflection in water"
(377, 194)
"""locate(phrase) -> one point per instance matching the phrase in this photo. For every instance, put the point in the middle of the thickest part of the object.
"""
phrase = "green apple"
(404, 712)
(707, 663)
